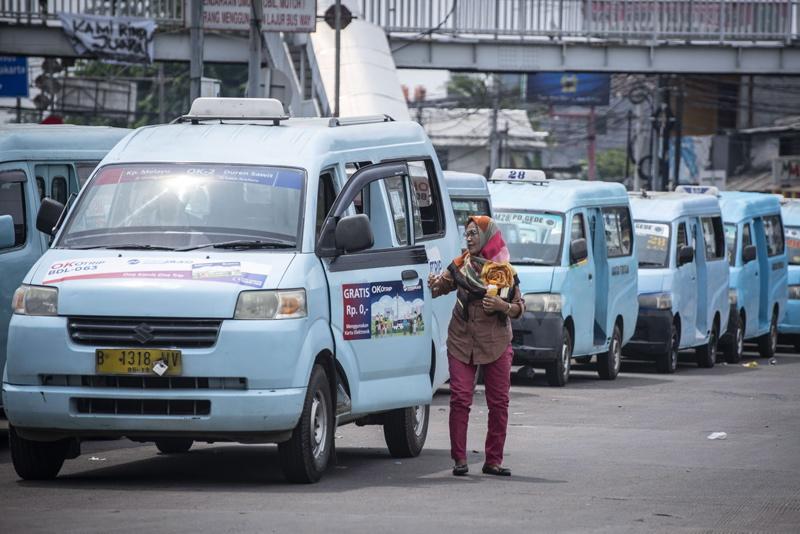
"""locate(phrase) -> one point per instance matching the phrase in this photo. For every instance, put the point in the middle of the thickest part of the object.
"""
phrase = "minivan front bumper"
(652, 334)
(537, 337)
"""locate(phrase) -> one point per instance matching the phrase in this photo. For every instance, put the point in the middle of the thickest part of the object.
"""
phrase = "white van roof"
(667, 207)
(557, 195)
(466, 184)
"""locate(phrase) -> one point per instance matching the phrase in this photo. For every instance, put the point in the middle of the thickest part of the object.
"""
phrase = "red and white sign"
(279, 15)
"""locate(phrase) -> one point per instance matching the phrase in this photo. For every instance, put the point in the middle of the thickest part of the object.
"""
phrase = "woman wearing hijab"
(480, 334)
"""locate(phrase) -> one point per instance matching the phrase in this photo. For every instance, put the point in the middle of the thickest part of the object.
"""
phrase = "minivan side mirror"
(748, 253)
(7, 235)
(685, 255)
(354, 233)
(578, 251)
(49, 213)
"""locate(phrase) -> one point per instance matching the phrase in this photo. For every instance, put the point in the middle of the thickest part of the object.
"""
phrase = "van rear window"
(652, 240)
(465, 208)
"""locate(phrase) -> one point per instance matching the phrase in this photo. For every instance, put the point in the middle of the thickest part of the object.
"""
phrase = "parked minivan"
(572, 244)
(39, 161)
(789, 327)
(683, 278)
(220, 279)
(758, 269)
(469, 195)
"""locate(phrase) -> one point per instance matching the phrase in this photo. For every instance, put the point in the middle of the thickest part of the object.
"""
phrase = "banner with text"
(114, 39)
(279, 15)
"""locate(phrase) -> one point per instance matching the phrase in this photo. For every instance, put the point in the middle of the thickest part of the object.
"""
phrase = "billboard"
(569, 88)
(13, 76)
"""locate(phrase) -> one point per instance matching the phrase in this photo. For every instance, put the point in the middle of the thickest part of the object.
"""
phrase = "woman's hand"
(433, 280)
(494, 304)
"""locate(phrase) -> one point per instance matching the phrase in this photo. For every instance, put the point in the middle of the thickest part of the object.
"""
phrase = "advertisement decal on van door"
(382, 309)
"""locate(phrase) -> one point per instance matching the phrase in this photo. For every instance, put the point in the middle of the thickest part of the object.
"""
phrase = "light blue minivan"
(789, 327)
(683, 278)
(758, 266)
(39, 161)
(572, 243)
(469, 195)
(222, 279)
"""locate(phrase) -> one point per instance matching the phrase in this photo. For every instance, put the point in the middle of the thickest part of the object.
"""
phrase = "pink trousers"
(497, 381)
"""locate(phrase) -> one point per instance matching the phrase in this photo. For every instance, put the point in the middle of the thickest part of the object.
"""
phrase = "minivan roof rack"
(263, 109)
(352, 121)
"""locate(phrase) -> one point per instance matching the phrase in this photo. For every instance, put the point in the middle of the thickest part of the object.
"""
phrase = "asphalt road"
(630, 455)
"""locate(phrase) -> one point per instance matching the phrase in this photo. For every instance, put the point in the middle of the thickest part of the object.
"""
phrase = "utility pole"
(254, 85)
(592, 146)
(337, 81)
(162, 113)
(628, 150)
(678, 137)
(196, 57)
(494, 136)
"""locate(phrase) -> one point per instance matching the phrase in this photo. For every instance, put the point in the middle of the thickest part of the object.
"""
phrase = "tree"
(611, 165)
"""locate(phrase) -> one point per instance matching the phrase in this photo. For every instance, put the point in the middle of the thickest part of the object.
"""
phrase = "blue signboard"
(569, 88)
(13, 76)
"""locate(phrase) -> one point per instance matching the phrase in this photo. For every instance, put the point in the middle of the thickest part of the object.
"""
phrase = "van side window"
(12, 202)
(325, 197)
(713, 237)
(84, 170)
(773, 228)
(390, 226)
(426, 200)
(396, 189)
(619, 231)
(578, 231)
(41, 187)
(59, 189)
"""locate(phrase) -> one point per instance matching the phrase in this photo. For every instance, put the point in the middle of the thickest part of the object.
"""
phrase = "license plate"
(136, 361)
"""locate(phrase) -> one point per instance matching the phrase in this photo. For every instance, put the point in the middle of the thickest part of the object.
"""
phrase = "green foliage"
(611, 164)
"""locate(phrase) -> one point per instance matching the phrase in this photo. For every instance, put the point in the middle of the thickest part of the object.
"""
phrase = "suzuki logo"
(143, 333)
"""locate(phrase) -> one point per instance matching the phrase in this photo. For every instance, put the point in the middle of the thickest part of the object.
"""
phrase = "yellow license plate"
(137, 361)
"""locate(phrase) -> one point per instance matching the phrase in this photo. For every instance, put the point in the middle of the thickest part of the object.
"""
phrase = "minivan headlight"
(35, 300)
(542, 302)
(794, 292)
(271, 304)
(658, 301)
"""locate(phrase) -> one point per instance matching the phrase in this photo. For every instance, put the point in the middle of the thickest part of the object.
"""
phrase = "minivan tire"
(36, 460)
(707, 354)
(735, 347)
(174, 445)
(768, 343)
(667, 362)
(608, 363)
(405, 430)
(304, 457)
(557, 371)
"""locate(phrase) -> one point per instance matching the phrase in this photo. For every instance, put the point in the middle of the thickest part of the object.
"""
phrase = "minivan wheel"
(608, 363)
(174, 445)
(558, 371)
(405, 430)
(707, 354)
(36, 460)
(734, 349)
(768, 343)
(667, 362)
(305, 456)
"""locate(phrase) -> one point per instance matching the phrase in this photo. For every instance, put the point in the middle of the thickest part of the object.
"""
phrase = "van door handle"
(409, 274)
(590, 276)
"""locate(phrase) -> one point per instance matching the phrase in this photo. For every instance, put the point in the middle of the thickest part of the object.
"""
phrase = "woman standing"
(480, 334)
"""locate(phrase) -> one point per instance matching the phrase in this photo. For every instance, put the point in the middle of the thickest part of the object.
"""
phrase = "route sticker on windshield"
(382, 309)
(231, 272)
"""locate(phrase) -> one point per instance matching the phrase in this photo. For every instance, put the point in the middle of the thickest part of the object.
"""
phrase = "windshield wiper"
(130, 246)
(243, 244)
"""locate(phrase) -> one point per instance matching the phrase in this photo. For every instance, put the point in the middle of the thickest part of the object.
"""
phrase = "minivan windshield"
(652, 240)
(793, 244)
(532, 237)
(169, 206)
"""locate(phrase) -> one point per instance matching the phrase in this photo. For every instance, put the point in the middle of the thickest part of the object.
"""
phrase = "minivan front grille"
(169, 407)
(145, 332)
(144, 382)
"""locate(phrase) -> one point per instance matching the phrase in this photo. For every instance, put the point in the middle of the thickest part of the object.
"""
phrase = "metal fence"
(165, 12)
(686, 20)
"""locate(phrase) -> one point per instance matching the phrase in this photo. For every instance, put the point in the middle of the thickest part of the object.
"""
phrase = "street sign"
(569, 88)
(14, 76)
(279, 15)
(345, 17)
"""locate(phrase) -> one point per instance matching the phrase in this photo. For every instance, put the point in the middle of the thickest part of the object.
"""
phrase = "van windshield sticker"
(289, 178)
(232, 272)
(382, 309)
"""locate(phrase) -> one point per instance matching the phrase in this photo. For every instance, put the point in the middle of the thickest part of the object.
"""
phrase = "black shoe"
(460, 470)
(496, 470)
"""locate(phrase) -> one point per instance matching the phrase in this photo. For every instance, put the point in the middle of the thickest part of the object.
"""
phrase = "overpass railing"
(165, 12)
(685, 20)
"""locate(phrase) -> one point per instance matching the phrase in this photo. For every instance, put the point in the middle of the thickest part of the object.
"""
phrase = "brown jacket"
(481, 337)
